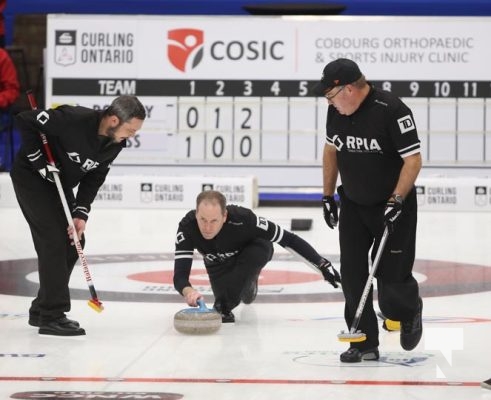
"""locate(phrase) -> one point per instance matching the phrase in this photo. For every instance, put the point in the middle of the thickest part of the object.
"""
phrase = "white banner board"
(165, 192)
(129, 191)
(232, 91)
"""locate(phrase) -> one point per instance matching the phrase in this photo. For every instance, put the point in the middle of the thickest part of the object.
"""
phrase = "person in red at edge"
(9, 84)
(9, 92)
(3, 3)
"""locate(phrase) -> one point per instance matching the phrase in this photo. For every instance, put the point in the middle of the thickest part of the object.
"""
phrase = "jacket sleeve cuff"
(81, 213)
(37, 159)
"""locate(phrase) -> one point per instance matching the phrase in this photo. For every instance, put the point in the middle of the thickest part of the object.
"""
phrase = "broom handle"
(368, 285)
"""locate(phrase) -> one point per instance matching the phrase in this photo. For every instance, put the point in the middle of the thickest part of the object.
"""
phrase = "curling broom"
(355, 335)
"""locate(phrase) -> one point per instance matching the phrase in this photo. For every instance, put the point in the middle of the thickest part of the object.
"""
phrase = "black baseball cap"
(337, 73)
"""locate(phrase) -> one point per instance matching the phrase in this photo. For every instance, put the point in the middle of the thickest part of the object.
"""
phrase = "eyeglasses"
(332, 96)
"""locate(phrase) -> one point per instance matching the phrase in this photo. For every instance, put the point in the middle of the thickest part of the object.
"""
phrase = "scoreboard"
(233, 93)
(257, 88)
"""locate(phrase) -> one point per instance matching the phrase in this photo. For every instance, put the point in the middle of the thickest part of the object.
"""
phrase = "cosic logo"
(236, 50)
(186, 49)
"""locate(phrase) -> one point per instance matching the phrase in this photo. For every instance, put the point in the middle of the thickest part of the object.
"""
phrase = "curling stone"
(197, 320)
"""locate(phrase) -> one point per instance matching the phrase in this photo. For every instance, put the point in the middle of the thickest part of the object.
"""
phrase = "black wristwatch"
(397, 198)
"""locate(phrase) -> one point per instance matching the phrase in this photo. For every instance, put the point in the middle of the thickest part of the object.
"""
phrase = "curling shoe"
(249, 294)
(227, 317)
(354, 355)
(412, 330)
(60, 327)
(34, 320)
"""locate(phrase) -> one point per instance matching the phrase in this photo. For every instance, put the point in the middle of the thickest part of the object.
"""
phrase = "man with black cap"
(372, 142)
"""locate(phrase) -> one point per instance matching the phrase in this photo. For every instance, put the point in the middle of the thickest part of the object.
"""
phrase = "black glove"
(48, 171)
(329, 273)
(330, 211)
(393, 209)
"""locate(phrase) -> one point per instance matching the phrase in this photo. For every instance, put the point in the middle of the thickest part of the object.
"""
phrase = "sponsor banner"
(132, 191)
(454, 194)
(178, 47)
(173, 192)
(235, 91)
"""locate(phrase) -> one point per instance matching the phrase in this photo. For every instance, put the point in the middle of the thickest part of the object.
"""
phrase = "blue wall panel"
(236, 7)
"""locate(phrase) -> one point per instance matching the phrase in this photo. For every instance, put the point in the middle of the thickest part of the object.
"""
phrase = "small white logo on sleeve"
(262, 223)
(74, 156)
(180, 237)
(42, 117)
(406, 124)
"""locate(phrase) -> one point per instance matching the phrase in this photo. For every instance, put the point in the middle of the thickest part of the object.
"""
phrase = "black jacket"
(81, 154)
(241, 228)
(371, 144)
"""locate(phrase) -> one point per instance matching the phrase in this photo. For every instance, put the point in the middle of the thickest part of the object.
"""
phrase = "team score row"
(214, 146)
(226, 118)
(219, 147)
(431, 89)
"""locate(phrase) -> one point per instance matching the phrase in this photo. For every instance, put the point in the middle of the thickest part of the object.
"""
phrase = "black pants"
(398, 292)
(40, 203)
(228, 280)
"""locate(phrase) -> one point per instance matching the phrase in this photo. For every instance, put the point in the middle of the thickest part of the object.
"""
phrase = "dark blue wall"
(236, 7)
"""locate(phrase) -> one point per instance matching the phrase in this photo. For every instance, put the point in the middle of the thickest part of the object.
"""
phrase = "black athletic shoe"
(227, 317)
(59, 327)
(34, 320)
(486, 384)
(412, 330)
(353, 355)
(249, 294)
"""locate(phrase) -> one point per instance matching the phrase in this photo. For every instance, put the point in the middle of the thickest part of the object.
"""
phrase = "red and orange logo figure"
(185, 48)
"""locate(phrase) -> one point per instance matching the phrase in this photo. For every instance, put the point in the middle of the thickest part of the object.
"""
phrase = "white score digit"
(387, 86)
(442, 89)
(247, 88)
(414, 87)
(275, 88)
(303, 90)
(220, 86)
(470, 89)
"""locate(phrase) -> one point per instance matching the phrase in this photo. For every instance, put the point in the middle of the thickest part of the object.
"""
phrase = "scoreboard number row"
(257, 88)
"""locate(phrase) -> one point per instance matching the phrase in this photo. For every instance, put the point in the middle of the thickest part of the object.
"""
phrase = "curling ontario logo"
(481, 196)
(185, 48)
(65, 47)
